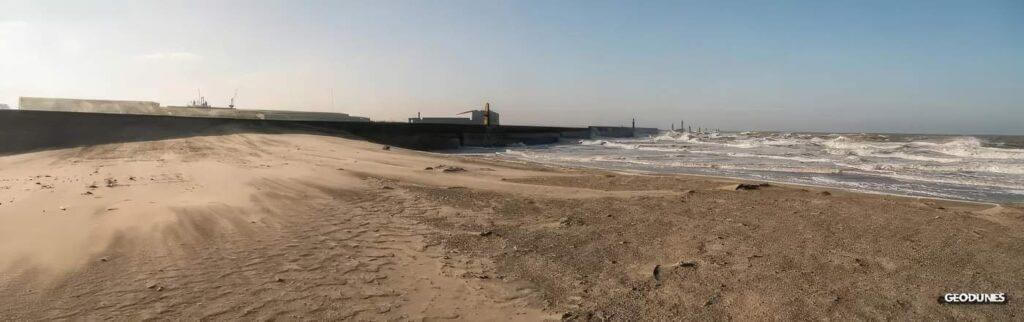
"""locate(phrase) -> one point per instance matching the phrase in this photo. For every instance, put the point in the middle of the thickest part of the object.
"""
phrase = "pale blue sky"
(910, 66)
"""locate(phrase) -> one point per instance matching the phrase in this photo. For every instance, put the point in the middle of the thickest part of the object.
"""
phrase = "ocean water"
(977, 168)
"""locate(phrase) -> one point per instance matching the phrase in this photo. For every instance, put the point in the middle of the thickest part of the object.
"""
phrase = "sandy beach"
(245, 226)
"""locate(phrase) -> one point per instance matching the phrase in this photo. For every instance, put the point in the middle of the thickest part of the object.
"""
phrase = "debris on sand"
(566, 221)
(111, 182)
(687, 193)
(386, 148)
(586, 316)
(660, 269)
(743, 186)
(711, 300)
(104, 259)
(486, 233)
(825, 193)
(446, 168)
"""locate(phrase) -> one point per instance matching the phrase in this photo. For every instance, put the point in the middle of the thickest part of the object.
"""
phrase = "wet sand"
(304, 226)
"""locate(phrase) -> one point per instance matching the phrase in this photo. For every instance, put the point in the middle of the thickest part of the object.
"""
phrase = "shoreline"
(932, 186)
(774, 182)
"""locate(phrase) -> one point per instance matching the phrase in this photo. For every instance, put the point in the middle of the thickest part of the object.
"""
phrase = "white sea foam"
(923, 164)
(972, 147)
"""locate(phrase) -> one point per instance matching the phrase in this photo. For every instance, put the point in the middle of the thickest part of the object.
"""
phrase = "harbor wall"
(28, 130)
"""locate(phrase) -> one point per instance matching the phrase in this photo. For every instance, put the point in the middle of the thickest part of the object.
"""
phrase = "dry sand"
(305, 226)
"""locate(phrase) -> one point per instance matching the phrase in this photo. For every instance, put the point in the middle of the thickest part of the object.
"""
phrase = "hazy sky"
(911, 66)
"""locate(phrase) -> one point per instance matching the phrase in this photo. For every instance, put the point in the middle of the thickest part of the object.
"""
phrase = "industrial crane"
(487, 114)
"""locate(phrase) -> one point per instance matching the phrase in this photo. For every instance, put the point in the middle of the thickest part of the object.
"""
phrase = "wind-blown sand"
(306, 226)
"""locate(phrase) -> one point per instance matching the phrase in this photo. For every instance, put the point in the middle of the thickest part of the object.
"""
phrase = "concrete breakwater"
(621, 131)
(29, 130)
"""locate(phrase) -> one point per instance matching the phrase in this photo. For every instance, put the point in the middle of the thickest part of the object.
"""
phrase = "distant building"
(154, 108)
(476, 117)
(85, 105)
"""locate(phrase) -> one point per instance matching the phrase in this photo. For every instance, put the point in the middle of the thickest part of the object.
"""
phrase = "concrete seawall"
(25, 130)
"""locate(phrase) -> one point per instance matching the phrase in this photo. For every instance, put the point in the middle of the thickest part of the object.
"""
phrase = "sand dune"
(306, 226)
